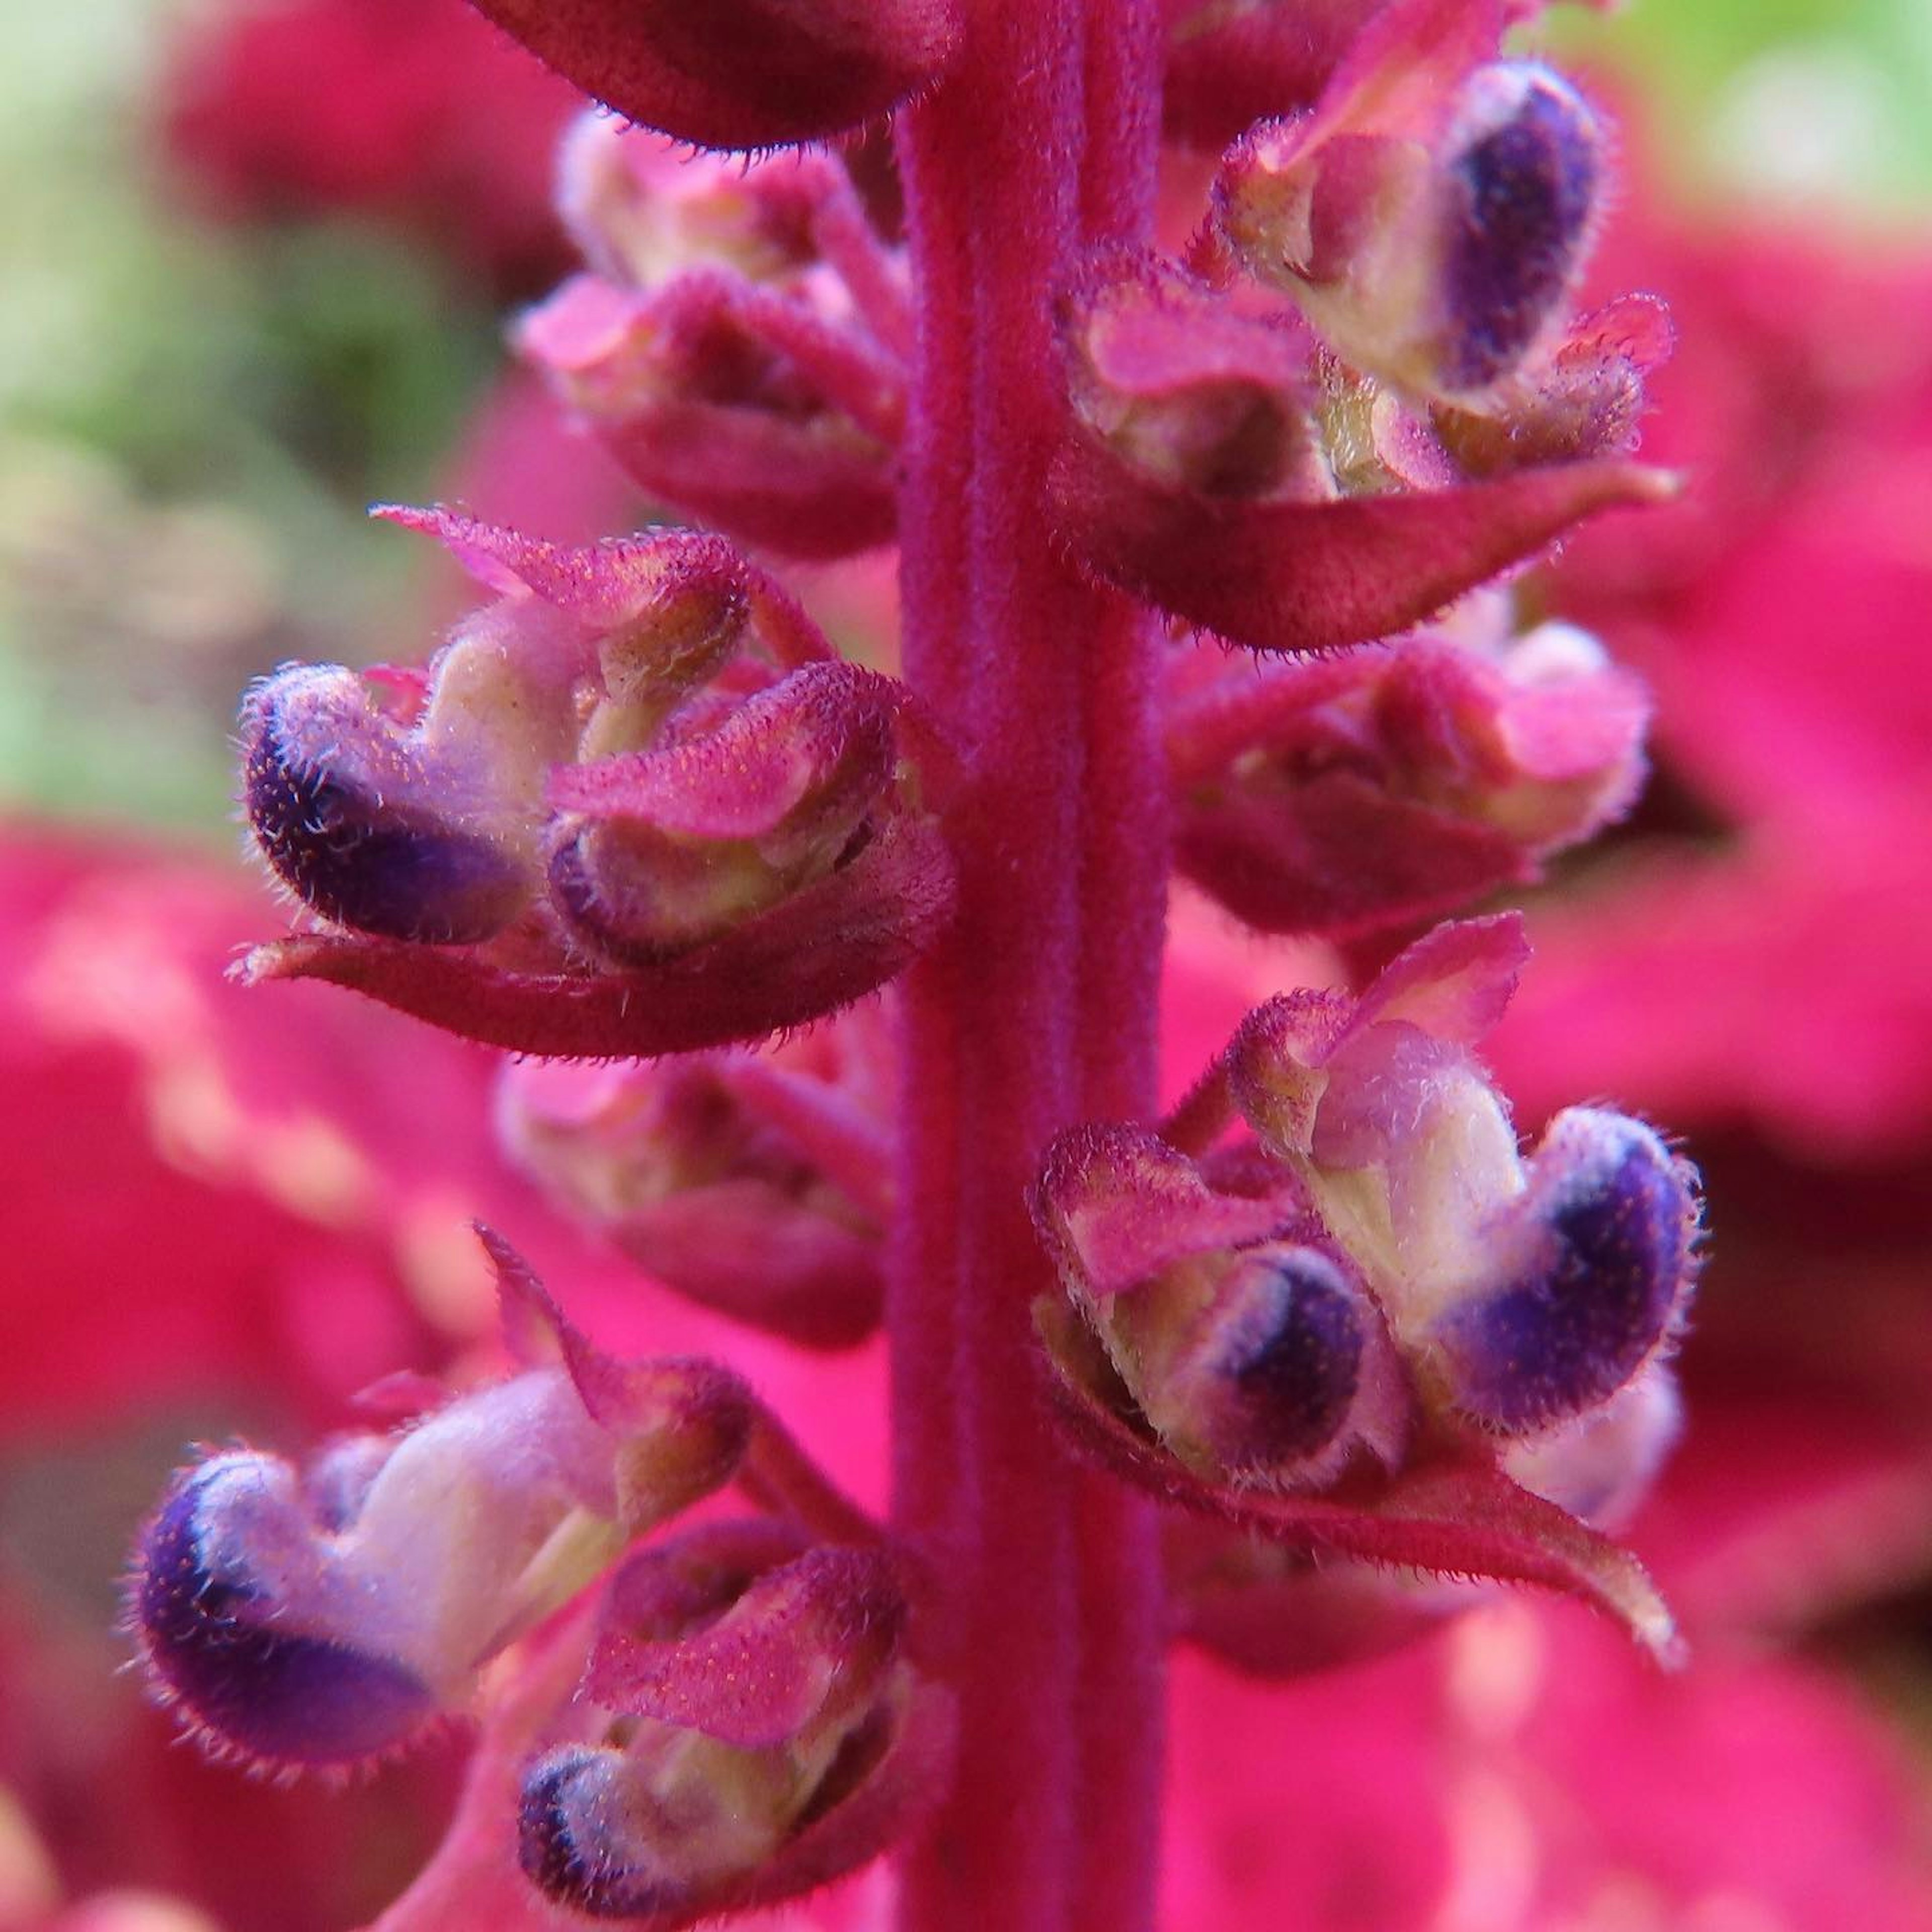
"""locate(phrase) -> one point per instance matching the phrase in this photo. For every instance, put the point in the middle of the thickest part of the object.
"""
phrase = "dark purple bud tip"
(220, 1642)
(1611, 1217)
(568, 1824)
(1520, 199)
(337, 822)
(1285, 1362)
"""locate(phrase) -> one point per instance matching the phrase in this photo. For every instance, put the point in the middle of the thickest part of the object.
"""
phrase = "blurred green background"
(193, 412)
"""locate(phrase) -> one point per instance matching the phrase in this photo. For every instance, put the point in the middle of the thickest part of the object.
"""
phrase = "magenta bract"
(1313, 576)
(738, 73)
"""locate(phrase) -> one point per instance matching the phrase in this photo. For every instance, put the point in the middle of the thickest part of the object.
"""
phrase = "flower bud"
(769, 415)
(1335, 800)
(663, 850)
(324, 1619)
(621, 827)
(1218, 1345)
(752, 1186)
(1187, 390)
(1266, 1379)
(1525, 1294)
(770, 1733)
(211, 1610)
(407, 831)
(1431, 214)
(642, 209)
(1255, 1361)
(1598, 1252)
(1524, 167)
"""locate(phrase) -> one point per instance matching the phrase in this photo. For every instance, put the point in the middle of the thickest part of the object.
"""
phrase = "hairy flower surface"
(635, 805)
(1378, 1290)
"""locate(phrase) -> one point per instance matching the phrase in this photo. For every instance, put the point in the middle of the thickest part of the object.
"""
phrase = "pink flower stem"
(1038, 1009)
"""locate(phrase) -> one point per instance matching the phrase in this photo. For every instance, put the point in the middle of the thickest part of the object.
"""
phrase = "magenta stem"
(1039, 1007)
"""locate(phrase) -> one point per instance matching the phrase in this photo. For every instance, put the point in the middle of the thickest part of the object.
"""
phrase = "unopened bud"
(1432, 238)
(324, 1619)
(765, 1718)
(767, 414)
(1256, 1359)
(1264, 1383)
(1598, 1249)
(772, 1220)
(372, 828)
(665, 850)
(1524, 167)
(1525, 1293)
(1336, 800)
(642, 208)
(1187, 389)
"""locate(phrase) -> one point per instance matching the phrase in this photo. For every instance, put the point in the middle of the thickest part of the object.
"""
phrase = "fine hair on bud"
(1605, 1233)
(211, 1606)
(1521, 190)
(343, 815)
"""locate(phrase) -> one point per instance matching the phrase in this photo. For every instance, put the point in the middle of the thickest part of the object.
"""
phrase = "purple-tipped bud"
(772, 1733)
(1270, 1382)
(1603, 1243)
(223, 1569)
(324, 1617)
(1254, 1358)
(1522, 189)
(1431, 215)
(574, 1843)
(363, 829)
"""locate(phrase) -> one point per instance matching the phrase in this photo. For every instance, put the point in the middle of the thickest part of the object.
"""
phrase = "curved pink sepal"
(760, 1675)
(1116, 1205)
(1315, 576)
(610, 583)
(1455, 981)
(827, 946)
(1452, 1516)
(757, 769)
(537, 1331)
(738, 73)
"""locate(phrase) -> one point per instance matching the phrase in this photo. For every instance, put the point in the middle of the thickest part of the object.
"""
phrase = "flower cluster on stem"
(638, 806)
